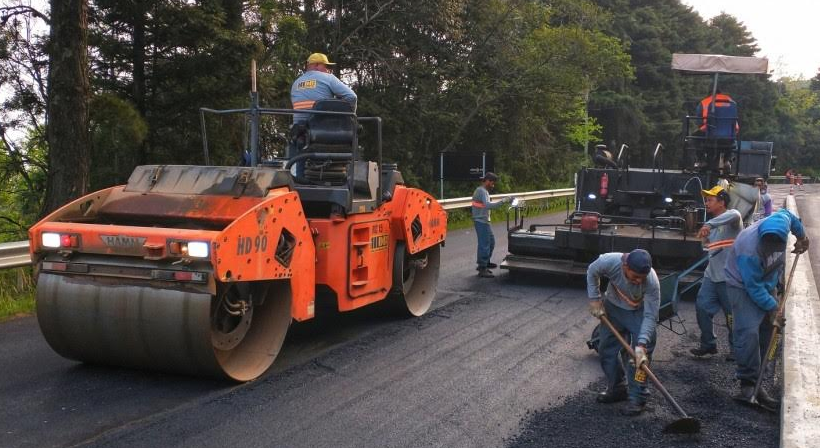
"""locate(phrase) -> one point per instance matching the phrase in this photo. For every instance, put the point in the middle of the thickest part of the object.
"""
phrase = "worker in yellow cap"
(718, 233)
(317, 84)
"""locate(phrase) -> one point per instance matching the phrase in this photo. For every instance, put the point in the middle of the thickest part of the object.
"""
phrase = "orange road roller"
(201, 269)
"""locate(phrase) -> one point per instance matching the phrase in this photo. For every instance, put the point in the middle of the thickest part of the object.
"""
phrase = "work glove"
(596, 308)
(641, 357)
(507, 200)
(801, 245)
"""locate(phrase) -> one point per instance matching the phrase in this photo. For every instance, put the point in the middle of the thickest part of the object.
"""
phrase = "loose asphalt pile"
(703, 388)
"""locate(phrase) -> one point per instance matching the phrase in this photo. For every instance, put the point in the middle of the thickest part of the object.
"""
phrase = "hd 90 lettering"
(247, 245)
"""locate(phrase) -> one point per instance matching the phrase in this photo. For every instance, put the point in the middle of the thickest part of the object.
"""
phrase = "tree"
(67, 104)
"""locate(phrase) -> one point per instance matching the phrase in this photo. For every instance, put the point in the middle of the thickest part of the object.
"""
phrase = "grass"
(462, 218)
(16, 293)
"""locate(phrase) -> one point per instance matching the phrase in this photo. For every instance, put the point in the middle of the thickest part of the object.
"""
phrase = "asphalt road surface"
(467, 374)
(702, 386)
(463, 375)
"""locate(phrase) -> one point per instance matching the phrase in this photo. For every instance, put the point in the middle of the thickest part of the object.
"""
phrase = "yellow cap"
(319, 58)
(714, 191)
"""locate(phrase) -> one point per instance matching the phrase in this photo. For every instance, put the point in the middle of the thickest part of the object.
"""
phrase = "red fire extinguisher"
(604, 185)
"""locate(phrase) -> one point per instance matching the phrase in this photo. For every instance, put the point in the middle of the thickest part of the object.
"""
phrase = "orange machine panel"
(419, 218)
(352, 258)
(369, 259)
(144, 242)
(271, 241)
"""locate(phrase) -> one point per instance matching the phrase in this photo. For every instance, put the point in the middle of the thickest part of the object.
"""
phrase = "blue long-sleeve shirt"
(314, 86)
(621, 292)
(723, 230)
(748, 267)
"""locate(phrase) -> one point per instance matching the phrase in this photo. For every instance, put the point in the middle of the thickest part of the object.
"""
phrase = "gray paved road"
(462, 376)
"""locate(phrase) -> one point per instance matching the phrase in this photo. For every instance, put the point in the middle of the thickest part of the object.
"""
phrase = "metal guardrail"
(14, 255)
(455, 203)
(782, 179)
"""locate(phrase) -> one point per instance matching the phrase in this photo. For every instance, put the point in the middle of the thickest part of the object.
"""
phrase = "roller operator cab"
(201, 269)
(618, 208)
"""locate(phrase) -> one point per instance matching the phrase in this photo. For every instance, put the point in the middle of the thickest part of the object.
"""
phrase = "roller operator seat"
(330, 133)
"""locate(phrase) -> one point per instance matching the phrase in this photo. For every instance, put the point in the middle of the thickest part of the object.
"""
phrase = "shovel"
(771, 349)
(683, 425)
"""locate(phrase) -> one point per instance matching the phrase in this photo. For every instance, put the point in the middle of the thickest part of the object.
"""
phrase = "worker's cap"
(777, 224)
(714, 191)
(490, 176)
(639, 261)
(319, 58)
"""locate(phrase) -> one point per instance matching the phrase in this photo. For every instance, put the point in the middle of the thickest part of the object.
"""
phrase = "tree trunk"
(138, 55)
(138, 59)
(67, 104)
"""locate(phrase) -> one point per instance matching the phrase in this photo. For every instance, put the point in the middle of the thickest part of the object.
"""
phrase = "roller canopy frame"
(716, 63)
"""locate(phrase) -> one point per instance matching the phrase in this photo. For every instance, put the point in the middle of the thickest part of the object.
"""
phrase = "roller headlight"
(51, 239)
(198, 249)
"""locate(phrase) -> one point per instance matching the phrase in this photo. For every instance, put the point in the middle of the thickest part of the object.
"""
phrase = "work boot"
(766, 401)
(747, 390)
(486, 273)
(612, 395)
(491, 265)
(700, 351)
(633, 408)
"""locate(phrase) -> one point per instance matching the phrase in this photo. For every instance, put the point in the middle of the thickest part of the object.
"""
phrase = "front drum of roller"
(104, 321)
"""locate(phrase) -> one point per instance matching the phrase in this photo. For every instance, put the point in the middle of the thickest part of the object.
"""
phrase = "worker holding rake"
(631, 302)
(754, 268)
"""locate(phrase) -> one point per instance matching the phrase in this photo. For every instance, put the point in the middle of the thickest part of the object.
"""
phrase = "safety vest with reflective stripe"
(721, 100)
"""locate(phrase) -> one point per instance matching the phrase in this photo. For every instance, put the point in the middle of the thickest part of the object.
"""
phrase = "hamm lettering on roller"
(379, 242)
(122, 241)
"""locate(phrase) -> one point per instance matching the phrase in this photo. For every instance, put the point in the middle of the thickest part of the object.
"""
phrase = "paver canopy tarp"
(715, 63)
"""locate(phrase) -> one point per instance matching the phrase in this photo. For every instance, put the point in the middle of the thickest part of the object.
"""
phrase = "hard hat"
(319, 58)
(714, 191)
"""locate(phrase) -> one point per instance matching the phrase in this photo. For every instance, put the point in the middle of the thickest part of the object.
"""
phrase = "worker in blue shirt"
(632, 301)
(316, 84)
(719, 234)
(480, 209)
(754, 268)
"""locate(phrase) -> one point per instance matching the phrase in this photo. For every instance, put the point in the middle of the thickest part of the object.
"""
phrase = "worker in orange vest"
(705, 108)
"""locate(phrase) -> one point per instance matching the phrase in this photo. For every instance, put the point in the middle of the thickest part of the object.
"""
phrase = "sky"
(786, 30)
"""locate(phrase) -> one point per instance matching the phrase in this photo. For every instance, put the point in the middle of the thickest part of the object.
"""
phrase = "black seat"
(329, 132)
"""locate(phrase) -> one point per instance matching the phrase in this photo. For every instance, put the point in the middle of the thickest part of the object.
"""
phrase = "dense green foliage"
(514, 77)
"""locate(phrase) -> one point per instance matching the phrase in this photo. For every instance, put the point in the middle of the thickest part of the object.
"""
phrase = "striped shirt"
(723, 230)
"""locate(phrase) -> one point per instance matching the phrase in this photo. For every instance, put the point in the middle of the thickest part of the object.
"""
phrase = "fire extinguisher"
(604, 185)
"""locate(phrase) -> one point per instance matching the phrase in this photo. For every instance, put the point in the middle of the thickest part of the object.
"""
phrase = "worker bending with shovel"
(754, 268)
(631, 303)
